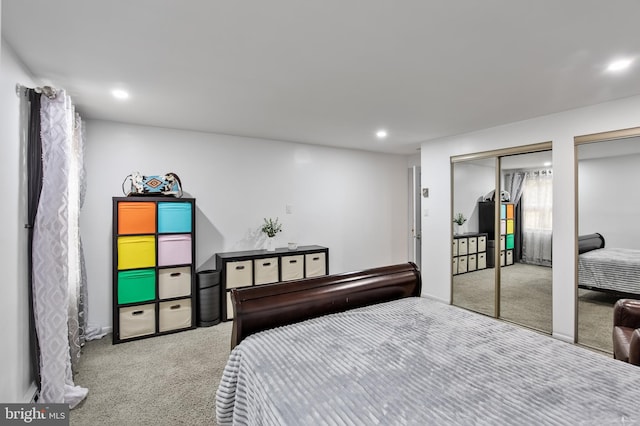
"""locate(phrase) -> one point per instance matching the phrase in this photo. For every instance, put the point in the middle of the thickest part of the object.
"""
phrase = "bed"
(607, 269)
(405, 359)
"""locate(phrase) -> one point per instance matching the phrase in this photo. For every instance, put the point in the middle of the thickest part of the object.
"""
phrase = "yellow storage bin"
(136, 252)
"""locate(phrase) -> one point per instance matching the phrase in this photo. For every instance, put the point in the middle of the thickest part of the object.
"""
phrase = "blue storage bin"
(174, 217)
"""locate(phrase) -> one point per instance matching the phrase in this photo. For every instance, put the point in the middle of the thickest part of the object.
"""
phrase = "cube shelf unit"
(486, 214)
(257, 267)
(153, 266)
(469, 253)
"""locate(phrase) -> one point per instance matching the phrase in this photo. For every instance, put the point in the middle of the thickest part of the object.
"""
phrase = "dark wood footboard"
(267, 306)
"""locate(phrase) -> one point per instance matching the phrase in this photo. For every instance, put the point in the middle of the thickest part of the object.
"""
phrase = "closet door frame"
(496, 154)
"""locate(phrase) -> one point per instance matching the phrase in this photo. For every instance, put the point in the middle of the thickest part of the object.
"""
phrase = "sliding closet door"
(473, 274)
(525, 239)
(501, 251)
(608, 169)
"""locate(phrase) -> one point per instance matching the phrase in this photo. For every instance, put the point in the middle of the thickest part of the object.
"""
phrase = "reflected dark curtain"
(34, 187)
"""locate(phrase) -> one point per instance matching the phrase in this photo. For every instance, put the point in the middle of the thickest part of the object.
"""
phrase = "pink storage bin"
(174, 249)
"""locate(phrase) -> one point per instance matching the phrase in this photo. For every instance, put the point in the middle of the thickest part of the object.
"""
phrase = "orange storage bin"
(509, 211)
(136, 217)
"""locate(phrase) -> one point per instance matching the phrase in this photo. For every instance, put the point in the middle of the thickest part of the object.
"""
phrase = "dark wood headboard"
(267, 306)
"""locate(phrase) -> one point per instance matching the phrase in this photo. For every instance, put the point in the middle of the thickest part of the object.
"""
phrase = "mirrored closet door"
(608, 171)
(525, 237)
(502, 251)
(473, 271)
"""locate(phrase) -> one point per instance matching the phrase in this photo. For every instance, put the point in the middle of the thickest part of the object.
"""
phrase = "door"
(508, 288)
(415, 208)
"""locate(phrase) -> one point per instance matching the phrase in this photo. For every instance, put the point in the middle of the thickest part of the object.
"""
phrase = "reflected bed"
(607, 269)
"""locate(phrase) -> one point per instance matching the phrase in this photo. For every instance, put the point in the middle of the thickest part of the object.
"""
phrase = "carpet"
(163, 380)
(525, 299)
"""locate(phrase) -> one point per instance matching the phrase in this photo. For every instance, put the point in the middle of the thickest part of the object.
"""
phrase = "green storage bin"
(137, 285)
(510, 241)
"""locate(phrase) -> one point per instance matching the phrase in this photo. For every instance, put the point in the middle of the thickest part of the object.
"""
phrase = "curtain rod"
(48, 91)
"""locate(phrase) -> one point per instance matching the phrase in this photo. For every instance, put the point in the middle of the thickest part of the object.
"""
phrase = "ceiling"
(328, 72)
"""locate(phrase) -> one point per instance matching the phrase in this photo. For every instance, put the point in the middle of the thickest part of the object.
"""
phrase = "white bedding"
(615, 269)
(416, 361)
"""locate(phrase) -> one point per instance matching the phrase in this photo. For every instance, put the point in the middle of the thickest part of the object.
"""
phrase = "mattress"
(416, 361)
(614, 269)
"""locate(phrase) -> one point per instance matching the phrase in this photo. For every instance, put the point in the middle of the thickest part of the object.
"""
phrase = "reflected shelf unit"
(469, 252)
(486, 214)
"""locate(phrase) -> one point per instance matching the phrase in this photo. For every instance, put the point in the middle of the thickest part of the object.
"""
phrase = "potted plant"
(459, 219)
(271, 228)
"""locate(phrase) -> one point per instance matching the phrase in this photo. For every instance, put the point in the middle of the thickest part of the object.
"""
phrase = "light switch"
(288, 209)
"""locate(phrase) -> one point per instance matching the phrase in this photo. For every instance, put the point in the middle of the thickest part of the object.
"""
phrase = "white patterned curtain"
(59, 288)
(537, 224)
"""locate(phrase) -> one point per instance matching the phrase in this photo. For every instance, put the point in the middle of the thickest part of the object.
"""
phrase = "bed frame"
(267, 306)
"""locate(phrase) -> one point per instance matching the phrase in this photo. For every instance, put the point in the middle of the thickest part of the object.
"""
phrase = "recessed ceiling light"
(381, 134)
(547, 163)
(120, 94)
(619, 65)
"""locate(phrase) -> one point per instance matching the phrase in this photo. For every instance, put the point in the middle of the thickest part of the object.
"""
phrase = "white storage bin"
(174, 282)
(472, 245)
(482, 243)
(509, 257)
(455, 246)
(175, 314)
(472, 262)
(239, 274)
(137, 321)
(482, 261)
(292, 267)
(315, 264)
(455, 266)
(462, 246)
(462, 264)
(266, 270)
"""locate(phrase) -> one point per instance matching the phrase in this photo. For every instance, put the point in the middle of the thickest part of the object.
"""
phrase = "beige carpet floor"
(164, 380)
(525, 299)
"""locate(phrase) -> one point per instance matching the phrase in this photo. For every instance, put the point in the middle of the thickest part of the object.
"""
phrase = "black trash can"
(208, 298)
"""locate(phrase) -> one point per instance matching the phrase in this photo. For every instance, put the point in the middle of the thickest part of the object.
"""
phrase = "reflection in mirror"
(473, 276)
(525, 240)
(609, 237)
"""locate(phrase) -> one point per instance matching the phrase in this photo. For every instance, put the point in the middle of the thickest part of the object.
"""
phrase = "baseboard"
(107, 330)
(563, 337)
(437, 299)
(32, 394)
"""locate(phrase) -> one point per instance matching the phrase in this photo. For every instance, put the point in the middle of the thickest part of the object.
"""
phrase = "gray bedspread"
(616, 269)
(417, 361)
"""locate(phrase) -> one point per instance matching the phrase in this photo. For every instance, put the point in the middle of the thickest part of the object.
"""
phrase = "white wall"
(609, 201)
(558, 128)
(353, 202)
(16, 383)
(472, 181)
